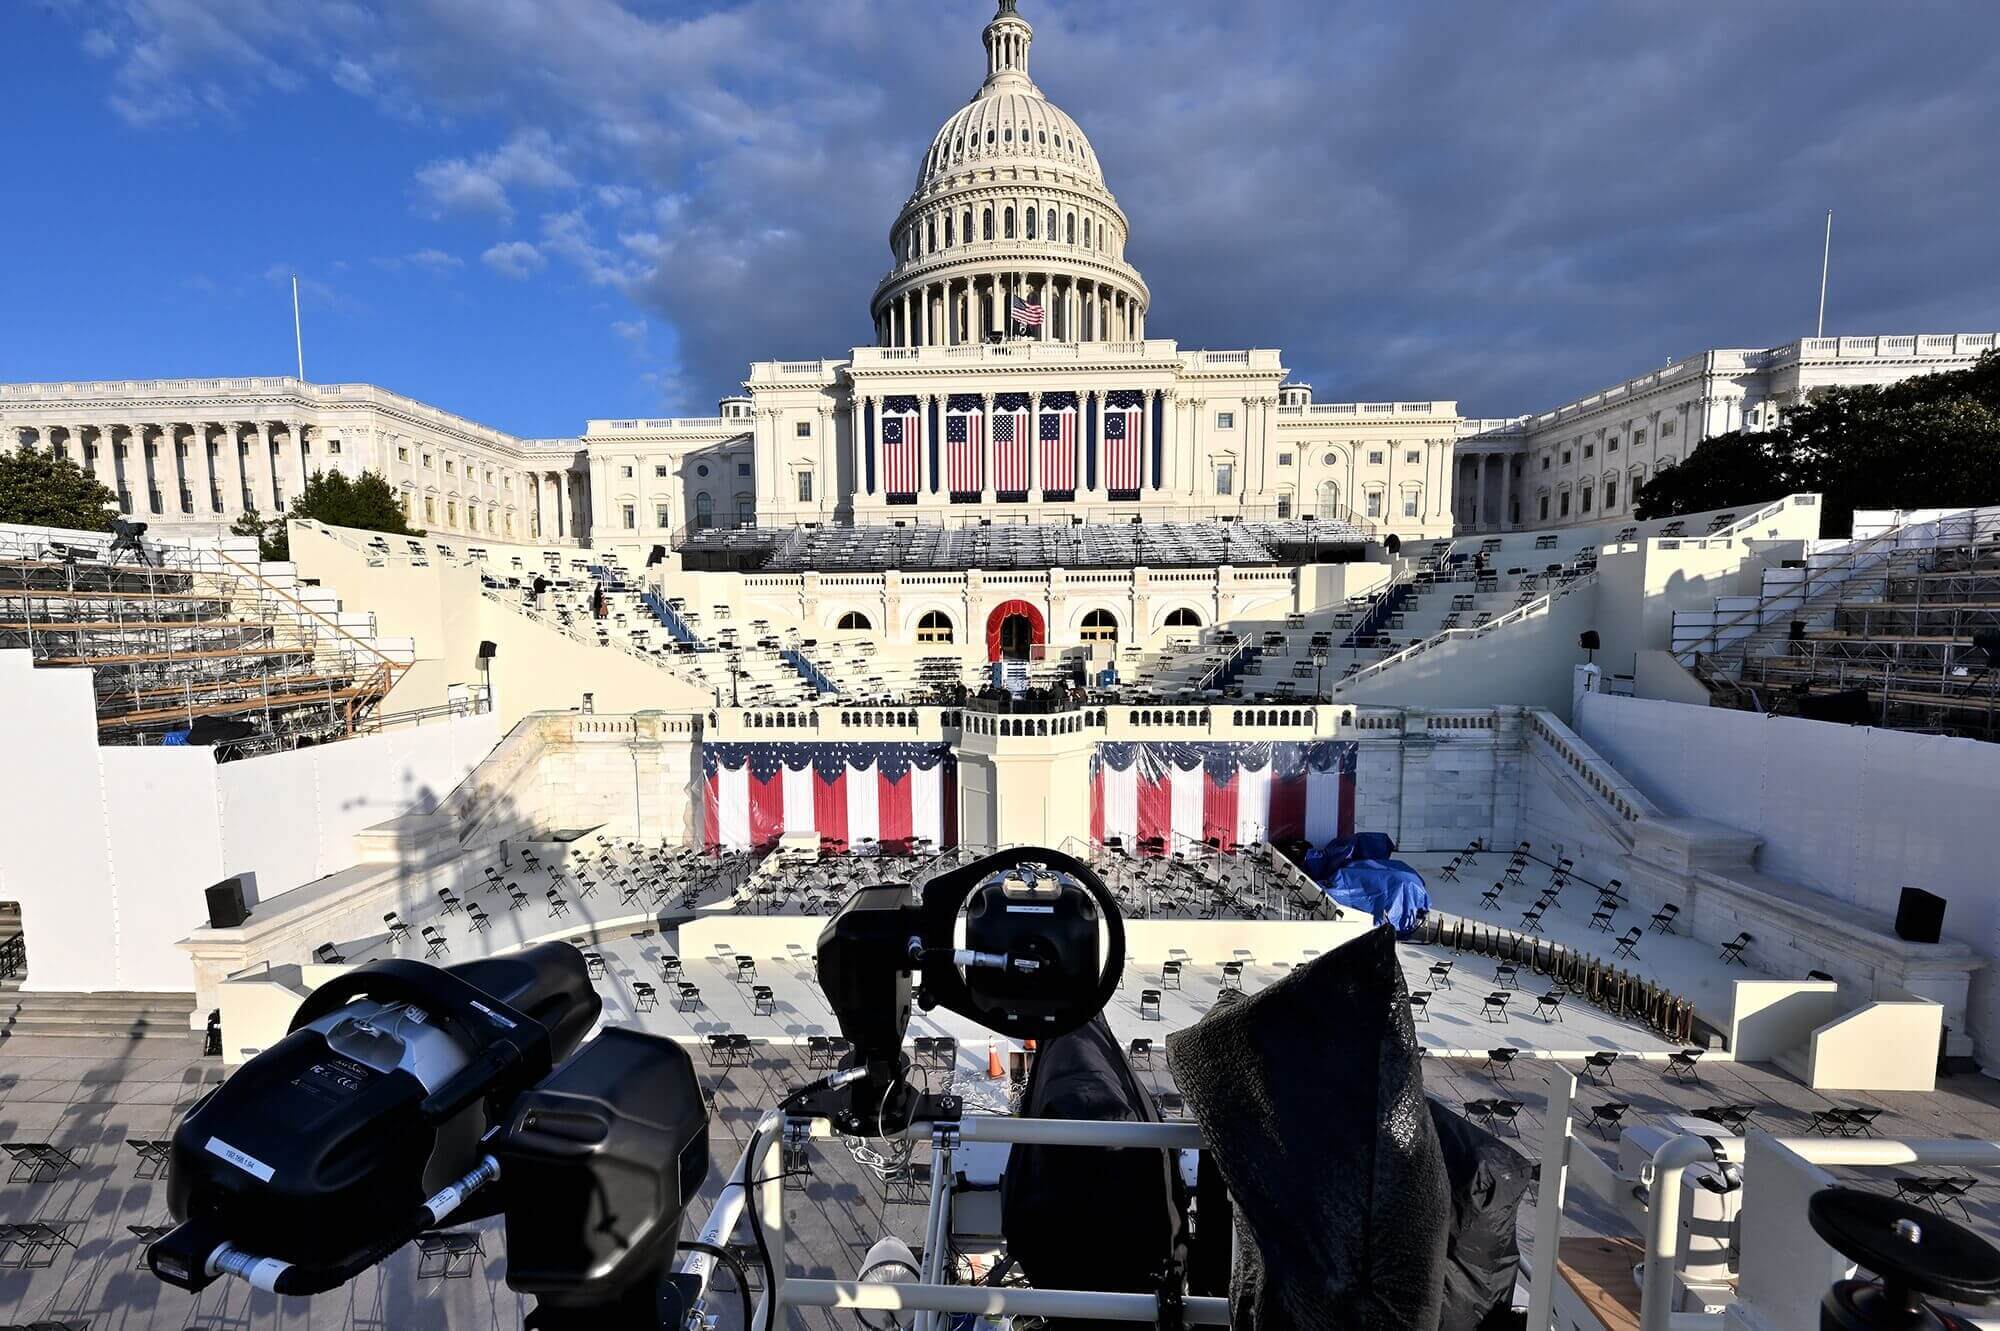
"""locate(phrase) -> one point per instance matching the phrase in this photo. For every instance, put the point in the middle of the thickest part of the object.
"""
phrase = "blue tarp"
(1389, 890)
(1322, 862)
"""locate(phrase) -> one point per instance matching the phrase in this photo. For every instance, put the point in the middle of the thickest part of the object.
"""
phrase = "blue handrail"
(675, 625)
(811, 673)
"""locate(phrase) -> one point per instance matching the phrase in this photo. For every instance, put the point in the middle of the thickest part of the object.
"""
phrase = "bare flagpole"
(299, 341)
(1825, 257)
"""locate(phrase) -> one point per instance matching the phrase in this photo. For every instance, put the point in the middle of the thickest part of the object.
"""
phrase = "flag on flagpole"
(1028, 314)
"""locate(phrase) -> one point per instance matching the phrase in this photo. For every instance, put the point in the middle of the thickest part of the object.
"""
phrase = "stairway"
(110, 1014)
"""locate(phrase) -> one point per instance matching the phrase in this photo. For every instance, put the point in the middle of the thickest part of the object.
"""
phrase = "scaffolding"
(186, 633)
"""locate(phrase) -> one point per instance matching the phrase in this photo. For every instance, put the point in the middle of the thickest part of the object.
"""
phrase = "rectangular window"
(746, 511)
(803, 429)
(1586, 499)
(451, 513)
(1376, 457)
(1562, 505)
(660, 515)
(1412, 456)
(1284, 506)
(333, 447)
(805, 487)
(1666, 429)
(660, 469)
(402, 453)
(1284, 459)
(1545, 509)
(427, 460)
(743, 469)
(1225, 420)
(631, 518)
(1374, 503)
(1610, 494)
(450, 467)
(1590, 450)
(1565, 457)
(1611, 444)
(1225, 478)
(1545, 462)
(1409, 503)
(626, 472)
(430, 509)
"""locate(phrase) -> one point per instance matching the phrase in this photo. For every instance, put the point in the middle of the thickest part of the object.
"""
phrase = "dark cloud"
(1503, 204)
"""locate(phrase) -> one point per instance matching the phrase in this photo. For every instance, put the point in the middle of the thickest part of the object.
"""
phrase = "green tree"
(45, 489)
(1932, 441)
(365, 502)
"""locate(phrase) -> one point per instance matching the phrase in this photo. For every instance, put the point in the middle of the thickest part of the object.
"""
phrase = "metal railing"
(1531, 610)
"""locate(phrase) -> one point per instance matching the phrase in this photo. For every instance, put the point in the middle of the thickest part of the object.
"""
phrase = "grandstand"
(1021, 545)
(1899, 628)
(191, 636)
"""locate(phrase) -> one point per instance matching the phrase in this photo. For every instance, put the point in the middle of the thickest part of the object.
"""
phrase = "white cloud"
(480, 184)
(514, 258)
(632, 330)
(436, 260)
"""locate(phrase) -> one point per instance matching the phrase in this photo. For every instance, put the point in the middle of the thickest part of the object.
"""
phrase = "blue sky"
(536, 211)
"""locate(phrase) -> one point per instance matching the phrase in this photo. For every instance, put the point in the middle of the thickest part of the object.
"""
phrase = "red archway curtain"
(1037, 630)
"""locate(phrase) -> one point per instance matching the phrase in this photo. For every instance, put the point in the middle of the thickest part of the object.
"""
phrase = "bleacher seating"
(191, 633)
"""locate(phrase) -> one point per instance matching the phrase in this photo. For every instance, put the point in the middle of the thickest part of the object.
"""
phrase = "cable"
(735, 1265)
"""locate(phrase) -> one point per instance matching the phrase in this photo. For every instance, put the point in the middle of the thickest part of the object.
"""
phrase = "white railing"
(1532, 610)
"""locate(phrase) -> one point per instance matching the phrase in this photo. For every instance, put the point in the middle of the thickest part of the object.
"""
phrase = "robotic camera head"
(1030, 964)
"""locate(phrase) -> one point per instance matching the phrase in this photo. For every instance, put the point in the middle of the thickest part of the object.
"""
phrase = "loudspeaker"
(225, 904)
(1393, 544)
(1589, 641)
(658, 556)
(1798, 630)
(1920, 916)
(487, 651)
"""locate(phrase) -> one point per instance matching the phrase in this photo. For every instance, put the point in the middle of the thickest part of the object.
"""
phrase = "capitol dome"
(1010, 205)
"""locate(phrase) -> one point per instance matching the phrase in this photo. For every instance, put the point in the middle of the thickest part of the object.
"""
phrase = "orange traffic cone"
(994, 1069)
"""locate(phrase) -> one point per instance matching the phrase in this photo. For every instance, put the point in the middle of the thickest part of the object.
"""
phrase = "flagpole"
(298, 334)
(1825, 258)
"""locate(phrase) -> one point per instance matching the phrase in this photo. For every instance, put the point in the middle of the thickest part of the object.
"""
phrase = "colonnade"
(959, 311)
(1485, 506)
(201, 470)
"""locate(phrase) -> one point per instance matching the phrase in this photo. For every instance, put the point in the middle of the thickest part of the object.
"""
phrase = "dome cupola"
(1010, 204)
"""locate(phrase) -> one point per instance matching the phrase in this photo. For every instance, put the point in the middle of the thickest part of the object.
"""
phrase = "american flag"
(965, 441)
(1059, 450)
(1010, 443)
(901, 470)
(1028, 314)
(1124, 442)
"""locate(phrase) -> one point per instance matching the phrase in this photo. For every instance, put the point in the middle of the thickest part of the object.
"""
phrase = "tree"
(365, 502)
(1932, 441)
(46, 489)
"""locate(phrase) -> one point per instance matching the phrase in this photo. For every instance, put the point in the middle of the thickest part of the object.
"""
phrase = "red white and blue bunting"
(1155, 798)
(858, 798)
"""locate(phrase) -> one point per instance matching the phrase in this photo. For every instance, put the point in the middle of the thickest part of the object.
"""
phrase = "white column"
(986, 463)
(201, 475)
(1479, 501)
(1035, 433)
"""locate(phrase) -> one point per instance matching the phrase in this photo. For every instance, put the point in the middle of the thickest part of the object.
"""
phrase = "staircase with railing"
(668, 616)
(1387, 603)
(1534, 609)
(808, 671)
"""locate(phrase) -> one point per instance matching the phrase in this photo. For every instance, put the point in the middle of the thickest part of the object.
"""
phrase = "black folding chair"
(1663, 918)
(1597, 1067)
(1605, 1116)
(1549, 1005)
(1500, 1062)
(1733, 950)
(1682, 1065)
(1628, 946)
(1140, 1052)
(1495, 1006)
(1420, 1005)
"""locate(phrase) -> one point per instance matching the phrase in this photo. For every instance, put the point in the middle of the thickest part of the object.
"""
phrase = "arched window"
(930, 236)
(989, 224)
(965, 227)
(1099, 626)
(854, 622)
(1183, 618)
(947, 231)
(1031, 223)
(1070, 229)
(1008, 225)
(1051, 231)
(934, 627)
(1086, 233)
(704, 510)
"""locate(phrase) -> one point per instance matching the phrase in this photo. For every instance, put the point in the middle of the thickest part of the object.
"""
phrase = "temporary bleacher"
(181, 633)
(1033, 545)
(1898, 616)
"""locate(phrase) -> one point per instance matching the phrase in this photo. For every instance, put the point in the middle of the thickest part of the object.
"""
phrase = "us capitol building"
(1012, 380)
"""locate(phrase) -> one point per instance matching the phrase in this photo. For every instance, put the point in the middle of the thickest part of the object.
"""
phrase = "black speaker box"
(1920, 916)
(488, 650)
(225, 904)
(1589, 641)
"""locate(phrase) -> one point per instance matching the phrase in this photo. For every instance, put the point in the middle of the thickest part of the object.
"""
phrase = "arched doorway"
(1100, 626)
(1013, 631)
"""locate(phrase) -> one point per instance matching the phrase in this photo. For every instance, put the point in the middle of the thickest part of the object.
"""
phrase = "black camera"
(404, 1094)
